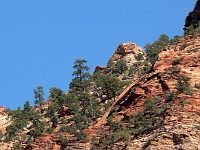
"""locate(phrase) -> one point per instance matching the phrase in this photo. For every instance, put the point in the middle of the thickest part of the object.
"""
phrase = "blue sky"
(41, 39)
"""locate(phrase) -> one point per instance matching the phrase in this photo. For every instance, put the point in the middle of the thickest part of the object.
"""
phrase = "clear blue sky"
(40, 39)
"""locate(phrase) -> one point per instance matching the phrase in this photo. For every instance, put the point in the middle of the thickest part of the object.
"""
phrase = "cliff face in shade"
(194, 16)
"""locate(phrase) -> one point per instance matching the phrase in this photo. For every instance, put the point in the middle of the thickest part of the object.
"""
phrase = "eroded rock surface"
(129, 52)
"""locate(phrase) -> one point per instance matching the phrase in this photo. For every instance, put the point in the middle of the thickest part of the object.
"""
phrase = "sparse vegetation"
(184, 46)
(139, 57)
(175, 40)
(63, 141)
(192, 29)
(197, 127)
(197, 86)
(177, 61)
(148, 120)
(182, 102)
(183, 85)
(170, 96)
(139, 69)
(154, 49)
(39, 96)
(180, 117)
(120, 67)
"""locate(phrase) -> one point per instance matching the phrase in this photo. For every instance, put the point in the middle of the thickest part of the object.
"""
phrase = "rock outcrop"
(4, 119)
(4, 122)
(193, 17)
(129, 52)
(185, 55)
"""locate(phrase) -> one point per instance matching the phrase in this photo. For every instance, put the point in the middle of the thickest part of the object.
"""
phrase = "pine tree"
(109, 83)
(39, 96)
(154, 49)
(27, 106)
(81, 73)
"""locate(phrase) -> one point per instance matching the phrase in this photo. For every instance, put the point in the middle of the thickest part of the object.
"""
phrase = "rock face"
(100, 68)
(4, 119)
(129, 52)
(185, 55)
(4, 122)
(181, 124)
(194, 16)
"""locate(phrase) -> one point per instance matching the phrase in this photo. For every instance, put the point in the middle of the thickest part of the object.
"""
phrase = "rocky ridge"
(5, 121)
(129, 52)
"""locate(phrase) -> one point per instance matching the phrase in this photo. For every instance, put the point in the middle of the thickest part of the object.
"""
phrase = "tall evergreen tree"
(27, 106)
(154, 49)
(81, 73)
(109, 83)
(39, 96)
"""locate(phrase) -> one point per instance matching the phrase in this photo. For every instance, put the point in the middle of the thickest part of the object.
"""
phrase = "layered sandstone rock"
(129, 52)
(4, 119)
(181, 125)
(185, 55)
(4, 122)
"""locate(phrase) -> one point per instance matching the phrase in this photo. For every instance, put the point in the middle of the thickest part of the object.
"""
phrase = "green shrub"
(148, 120)
(176, 70)
(197, 86)
(154, 49)
(192, 30)
(114, 125)
(183, 85)
(120, 67)
(182, 102)
(50, 130)
(175, 40)
(80, 135)
(180, 117)
(18, 146)
(1, 135)
(197, 127)
(63, 141)
(177, 61)
(183, 46)
(139, 57)
(170, 96)
(65, 128)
